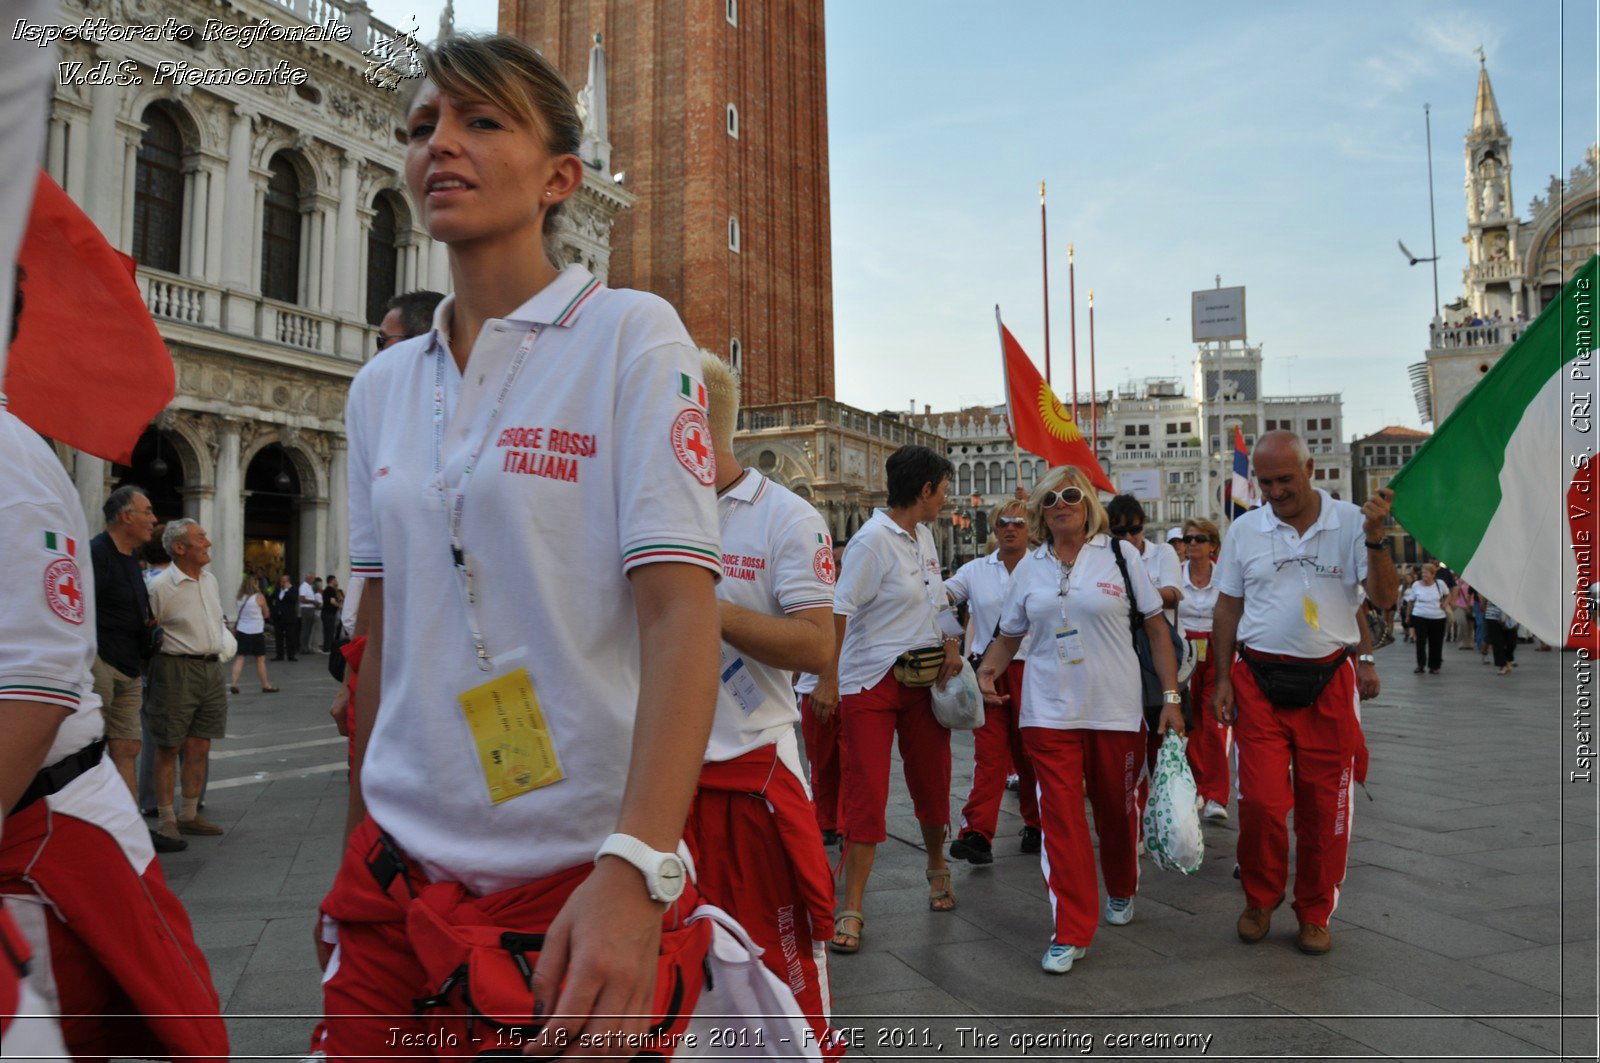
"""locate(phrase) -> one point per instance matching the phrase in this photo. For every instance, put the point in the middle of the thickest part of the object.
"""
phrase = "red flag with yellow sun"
(1039, 423)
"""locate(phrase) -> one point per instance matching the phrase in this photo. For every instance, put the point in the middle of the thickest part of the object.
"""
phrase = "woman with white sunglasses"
(1082, 720)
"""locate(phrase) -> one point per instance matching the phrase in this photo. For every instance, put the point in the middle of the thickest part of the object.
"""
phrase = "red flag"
(1039, 423)
(88, 367)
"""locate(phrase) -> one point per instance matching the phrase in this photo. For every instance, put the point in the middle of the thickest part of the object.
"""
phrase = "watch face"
(670, 875)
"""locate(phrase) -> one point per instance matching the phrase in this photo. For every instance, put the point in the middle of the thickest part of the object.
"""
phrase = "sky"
(1280, 145)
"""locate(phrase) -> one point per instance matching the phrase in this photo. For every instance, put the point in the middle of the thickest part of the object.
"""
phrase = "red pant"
(997, 747)
(1209, 741)
(1302, 759)
(1106, 766)
(760, 860)
(872, 719)
(822, 752)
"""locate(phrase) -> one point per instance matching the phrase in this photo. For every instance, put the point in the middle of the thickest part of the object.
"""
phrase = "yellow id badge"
(1309, 607)
(1202, 648)
(514, 744)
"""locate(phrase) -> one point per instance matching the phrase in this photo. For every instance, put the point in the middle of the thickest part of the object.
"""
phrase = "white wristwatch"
(664, 873)
(1367, 658)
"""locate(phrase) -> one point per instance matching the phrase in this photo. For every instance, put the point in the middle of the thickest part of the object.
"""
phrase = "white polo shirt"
(1199, 604)
(893, 594)
(47, 611)
(1274, 569)
(599, 462)
(776, 558)
(982, 583)
(1102, 692)
(1427, 602)
(189, 611)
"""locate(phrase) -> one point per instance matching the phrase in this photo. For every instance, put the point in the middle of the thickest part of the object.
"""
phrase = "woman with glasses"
(997, 745)
(1081, 717)
(1208, 748)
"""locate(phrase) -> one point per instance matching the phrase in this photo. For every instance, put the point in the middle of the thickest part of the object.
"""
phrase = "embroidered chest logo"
(63, 589)
(691, 442)
(743, 566)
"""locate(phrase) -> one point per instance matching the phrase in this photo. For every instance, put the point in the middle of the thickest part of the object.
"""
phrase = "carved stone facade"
(252, 445)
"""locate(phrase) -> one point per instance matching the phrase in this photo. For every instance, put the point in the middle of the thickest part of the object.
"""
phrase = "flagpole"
(1094, 396)
(1072, 308)
(1005, 374)
(1044, 245)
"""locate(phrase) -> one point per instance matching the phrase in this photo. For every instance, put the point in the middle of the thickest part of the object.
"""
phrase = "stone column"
(236, 272)
(199, 212)
(347, 247)
(130, 172)
(314, 536)
(311, 258)
(77, 159)
(438, 266)
(89, 474)
(228, 533)
(327, 240)
(56, 151)
(100, 203)
(338, 551)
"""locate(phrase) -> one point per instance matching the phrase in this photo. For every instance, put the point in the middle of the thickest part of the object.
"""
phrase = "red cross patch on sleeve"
(63, 589)
(691, 441)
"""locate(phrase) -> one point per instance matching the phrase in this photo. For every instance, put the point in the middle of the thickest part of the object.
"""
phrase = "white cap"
(1175, 533)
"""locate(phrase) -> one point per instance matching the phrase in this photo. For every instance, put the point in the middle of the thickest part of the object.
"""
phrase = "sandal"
(852, 942)
(269, 690)
(949, 891)
(233, 690)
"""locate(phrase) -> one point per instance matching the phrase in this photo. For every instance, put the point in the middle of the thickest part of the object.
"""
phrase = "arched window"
(1011, 476)
(980, 479)
(735, 353)
(733, 233)
(383, 259)
(158, 193)
(964, 479)
(733, 121)
(731, 9)
(280, 233)
(996, 477)
(1027, 475)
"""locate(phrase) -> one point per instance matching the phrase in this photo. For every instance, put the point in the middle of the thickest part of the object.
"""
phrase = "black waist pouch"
(1292, 684)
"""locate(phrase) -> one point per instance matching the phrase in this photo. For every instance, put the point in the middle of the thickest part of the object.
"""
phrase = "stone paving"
(1466, 928)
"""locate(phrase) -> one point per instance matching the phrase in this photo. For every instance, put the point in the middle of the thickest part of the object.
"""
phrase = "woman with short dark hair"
(897, 639)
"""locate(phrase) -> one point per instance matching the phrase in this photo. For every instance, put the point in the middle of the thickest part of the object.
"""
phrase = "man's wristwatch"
(1378, 544)
(1171, 697)
(664, 873)
(1367, 658)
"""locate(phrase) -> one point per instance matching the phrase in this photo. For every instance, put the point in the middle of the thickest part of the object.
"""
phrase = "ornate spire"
(447, 21)
(1486, 115)
(595, 148)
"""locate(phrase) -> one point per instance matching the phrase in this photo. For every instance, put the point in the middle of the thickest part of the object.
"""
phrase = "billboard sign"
(1143, 484)
(1217, 314)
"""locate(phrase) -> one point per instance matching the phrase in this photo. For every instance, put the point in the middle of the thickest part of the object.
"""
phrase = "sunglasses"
(1132, 529)
(1196, 539)
(1071, 496)
(1010, 522)
(383, 342)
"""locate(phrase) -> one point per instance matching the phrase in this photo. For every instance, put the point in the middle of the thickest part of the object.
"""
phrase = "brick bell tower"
(718, 122)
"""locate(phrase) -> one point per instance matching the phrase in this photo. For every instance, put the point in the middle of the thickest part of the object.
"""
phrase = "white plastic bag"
(959, 706)
(1171, 823)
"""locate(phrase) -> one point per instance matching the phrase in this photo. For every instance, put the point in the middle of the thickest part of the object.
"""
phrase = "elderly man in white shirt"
(188, 702)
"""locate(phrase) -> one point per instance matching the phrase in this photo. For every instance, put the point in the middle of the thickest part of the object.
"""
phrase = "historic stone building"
(270, 224)
(1374, 461)
(719, 123)
(1515, 268)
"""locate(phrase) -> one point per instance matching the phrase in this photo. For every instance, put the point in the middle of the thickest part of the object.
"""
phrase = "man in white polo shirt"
(1289, 583)
(752, 826)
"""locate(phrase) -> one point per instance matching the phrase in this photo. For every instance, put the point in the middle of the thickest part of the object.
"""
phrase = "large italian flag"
(1505, 491)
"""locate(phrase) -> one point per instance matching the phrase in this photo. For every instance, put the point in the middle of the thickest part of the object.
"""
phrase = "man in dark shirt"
(122, 622)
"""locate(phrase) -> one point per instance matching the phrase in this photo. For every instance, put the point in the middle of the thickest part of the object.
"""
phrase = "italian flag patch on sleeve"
(60, 543)
(691, 390)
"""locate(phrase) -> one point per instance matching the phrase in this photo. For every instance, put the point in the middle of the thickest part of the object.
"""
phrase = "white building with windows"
(270, 225)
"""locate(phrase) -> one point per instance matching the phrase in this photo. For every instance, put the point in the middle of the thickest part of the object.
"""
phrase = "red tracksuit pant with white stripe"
(1209, 740)
(761, 860)
(996, 749)
(1104, 766)
(1303, 759)
(822, 753)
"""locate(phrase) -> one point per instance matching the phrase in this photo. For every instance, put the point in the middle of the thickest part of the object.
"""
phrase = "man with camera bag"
(1290, 580)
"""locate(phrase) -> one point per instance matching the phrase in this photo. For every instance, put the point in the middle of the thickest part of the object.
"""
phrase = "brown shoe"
(198, 825)
(1313, 940)
(1254, 924)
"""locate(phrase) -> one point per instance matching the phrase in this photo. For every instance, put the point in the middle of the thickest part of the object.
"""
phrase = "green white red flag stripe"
(60, 543)
(1505, 491)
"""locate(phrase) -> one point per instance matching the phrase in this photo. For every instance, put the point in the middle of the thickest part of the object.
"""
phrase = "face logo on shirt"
(691, 441)
(63, 589)
(822, 564)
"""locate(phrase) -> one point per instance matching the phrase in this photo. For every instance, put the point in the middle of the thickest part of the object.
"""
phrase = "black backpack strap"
(1134, 620)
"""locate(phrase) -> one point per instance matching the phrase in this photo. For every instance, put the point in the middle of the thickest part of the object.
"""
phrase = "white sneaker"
(1215, 811)
(1058, 958)
(1199, 802)
(1119, 910)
